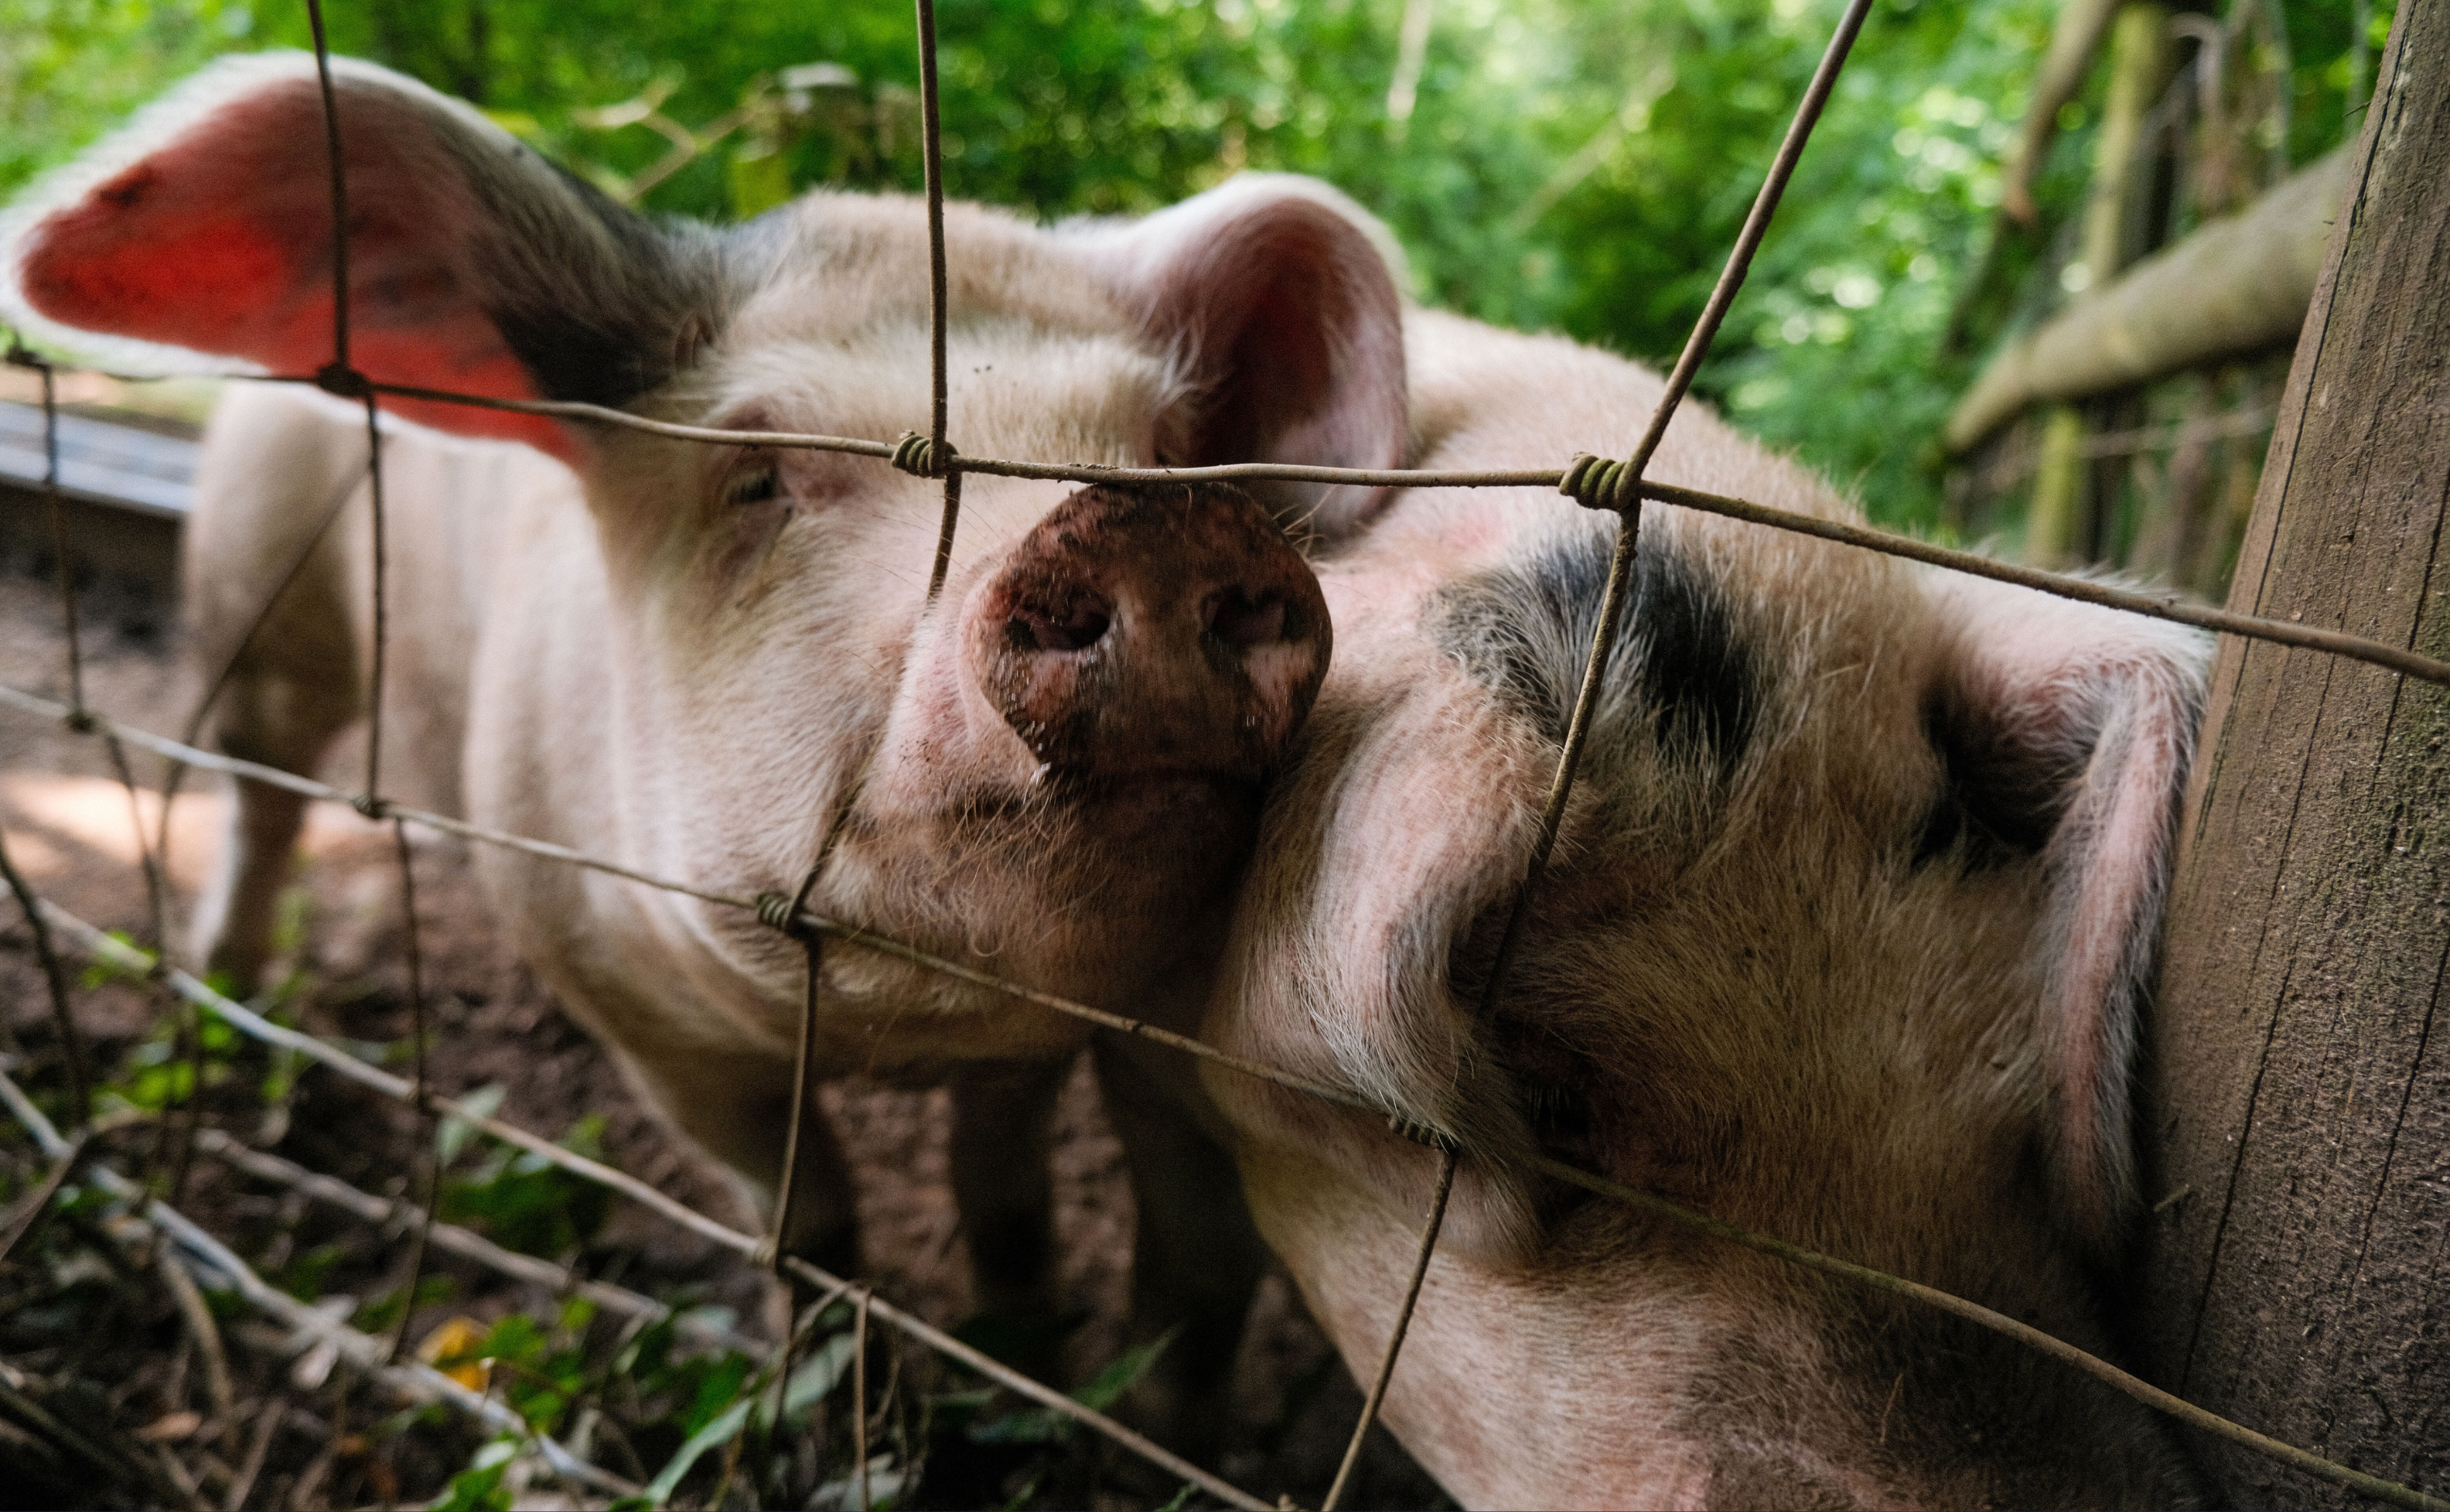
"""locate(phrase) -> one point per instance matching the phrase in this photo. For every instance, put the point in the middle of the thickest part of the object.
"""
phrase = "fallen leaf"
(451, 1349)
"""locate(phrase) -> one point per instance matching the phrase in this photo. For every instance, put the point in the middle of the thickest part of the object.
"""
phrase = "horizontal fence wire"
(1591, 481)
(2168, 606)
(884, 944)
(102, 947)
(209, 1260)
(392, 1213)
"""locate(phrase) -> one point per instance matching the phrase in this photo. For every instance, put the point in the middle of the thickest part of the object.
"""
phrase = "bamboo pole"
(2058, 531)
(2236, 286)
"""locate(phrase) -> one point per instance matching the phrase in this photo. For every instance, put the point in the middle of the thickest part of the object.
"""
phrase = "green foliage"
(72, 67)
(308, 1270)
(103, 969)
(156, 1075)
(382, 1314)
(681, 1391)
(479, 1487)
(1046, 1425)
(1834, 348)
(811, 1383)
(524, 1202)
(1569, 164)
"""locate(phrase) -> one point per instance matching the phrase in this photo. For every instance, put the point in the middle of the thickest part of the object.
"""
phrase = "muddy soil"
(136, 1374)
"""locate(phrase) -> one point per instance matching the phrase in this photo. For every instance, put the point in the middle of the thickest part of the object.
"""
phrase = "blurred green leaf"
(479, 1488)
(1046, 1425)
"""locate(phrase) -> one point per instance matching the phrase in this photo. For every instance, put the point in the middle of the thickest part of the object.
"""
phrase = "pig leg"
(737, 1109)
(1003, 1146)
(1197, 1258)
(234, 919)
(293, 689)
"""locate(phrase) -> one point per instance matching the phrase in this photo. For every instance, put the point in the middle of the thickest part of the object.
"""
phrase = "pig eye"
(754, 485)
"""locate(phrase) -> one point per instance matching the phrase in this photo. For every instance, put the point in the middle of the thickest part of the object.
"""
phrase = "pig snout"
(1167, 632)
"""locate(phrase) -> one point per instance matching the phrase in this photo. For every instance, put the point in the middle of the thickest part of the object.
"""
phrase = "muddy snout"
(1163, 632)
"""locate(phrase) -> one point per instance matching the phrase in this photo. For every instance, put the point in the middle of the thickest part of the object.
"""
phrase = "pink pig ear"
(1277, 297)
(2070, 729)
(474, 264)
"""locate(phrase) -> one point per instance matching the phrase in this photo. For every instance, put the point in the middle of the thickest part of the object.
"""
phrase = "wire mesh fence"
(155, 1224)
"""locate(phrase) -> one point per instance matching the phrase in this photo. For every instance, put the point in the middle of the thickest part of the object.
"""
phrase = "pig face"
(1840, 943)
(1046, 769)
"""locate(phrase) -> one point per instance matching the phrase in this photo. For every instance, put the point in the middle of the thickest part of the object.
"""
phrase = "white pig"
(692, 658)
(1841, 943)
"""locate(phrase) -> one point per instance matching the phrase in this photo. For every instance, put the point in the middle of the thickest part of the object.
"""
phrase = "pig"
(701, 661)
(1842, 942)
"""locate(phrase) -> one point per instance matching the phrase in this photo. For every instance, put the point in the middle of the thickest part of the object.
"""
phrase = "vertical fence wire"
(421, 1045)
(343, 378)
(1613, 486)
(859, 1400)
(174, 1140)
(1440, 1191)
(1593, 481)
(61, 565)
(1617, 486)
(938, 452)
(932, 146)
(55, 980)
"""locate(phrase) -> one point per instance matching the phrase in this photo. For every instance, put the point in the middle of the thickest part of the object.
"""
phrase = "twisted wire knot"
(1599, 483)
(917, 454)
(1419, 1133)
(332, 378)
(368, 805)
(81, 720)
(779, 911)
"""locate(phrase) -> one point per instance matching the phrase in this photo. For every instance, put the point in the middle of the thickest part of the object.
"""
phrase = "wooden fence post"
(2297, 1133)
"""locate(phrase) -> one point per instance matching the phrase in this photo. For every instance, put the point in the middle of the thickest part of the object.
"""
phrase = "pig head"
(1841, 943)
(699, 660)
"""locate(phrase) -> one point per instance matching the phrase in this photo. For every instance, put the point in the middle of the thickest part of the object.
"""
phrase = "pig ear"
(1277, 297)
(1347, 928)
(2067, 732)
(474, 265)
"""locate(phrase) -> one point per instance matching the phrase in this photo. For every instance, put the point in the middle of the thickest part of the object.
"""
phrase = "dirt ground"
(127, 1370)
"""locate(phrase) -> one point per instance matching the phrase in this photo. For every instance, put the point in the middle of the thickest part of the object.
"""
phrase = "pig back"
(283, 531)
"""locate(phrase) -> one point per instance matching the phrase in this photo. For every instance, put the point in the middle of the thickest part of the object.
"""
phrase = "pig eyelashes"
(754, 484)
(749, 524)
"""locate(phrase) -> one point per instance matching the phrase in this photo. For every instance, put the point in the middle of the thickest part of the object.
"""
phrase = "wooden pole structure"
(2057, 532)
(2298, 1123)
(2235, 287)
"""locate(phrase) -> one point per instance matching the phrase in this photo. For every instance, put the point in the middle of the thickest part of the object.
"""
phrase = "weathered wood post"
(2299, 1122)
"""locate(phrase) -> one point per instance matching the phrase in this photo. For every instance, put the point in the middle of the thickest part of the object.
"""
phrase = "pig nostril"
(1241, 619)
(1080, 626)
